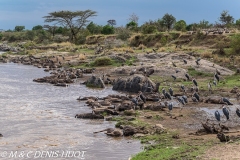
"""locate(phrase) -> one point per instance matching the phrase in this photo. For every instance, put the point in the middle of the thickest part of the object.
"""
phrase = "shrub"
(107, 29)
(148, 29)
(102, 61)
(207, 55)
(123, 33)
(200, 35)
(164, 40)
(235, 41)
(141, 46)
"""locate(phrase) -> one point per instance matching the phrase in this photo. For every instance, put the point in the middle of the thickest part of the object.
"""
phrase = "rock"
(89, 116)
(1, 135)
(95, 82)
(135, 84)
(130, 118)
(128, 130)
(159, 128)
(222, 137)
(109, 118)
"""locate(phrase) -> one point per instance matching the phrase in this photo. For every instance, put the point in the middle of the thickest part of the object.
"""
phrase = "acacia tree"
(38, 27)
(75, 21)
(51, 29)
(112, 22)
(19, 28)
(226, 19)
(168, 20)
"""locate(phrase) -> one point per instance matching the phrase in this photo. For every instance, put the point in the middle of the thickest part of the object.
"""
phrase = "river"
(38, 118)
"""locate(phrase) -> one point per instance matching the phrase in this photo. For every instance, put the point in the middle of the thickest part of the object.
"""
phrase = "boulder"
(135, 84)
(95, 82)
(222, 137)
(128, 130)
(159, 128)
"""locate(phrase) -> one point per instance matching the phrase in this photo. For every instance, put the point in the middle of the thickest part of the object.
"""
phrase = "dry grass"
(226, 60)
(129, 50)
(141, 46)
(162, 49)
(237, 60)
(207, 55)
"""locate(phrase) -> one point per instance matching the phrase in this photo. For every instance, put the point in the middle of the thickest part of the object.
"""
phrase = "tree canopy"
(38, 27)
(180, 25)
(107, 29)
(112, 22)
(168, 20)
(94, 28)
(226, 18)
(75, 20)
(19, 28)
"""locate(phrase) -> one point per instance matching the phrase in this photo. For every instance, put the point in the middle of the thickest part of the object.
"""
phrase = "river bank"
(181, 126)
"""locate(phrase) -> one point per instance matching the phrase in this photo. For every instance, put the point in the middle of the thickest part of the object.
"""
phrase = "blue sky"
(29, 13)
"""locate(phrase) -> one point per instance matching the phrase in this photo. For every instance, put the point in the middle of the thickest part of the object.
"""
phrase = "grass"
(230, 81)
(194, 73)
(165, 147)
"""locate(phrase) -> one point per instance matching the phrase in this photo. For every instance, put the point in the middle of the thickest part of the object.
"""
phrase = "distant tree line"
(77, 26)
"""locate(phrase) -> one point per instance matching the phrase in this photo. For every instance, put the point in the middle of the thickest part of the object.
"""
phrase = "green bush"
(94, 28)
(164, 40)
(148, 29)
(234, 44)
(180, 25)
(102, 61)
(107, 29)
(29, 35)
(1, 36)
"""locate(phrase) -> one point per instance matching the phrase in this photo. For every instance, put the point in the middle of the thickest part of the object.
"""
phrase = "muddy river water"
(37, 120)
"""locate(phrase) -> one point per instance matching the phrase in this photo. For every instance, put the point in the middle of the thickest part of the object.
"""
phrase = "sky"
(30, 13)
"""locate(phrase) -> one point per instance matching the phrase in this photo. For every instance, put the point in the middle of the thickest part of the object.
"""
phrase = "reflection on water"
(35, 116)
